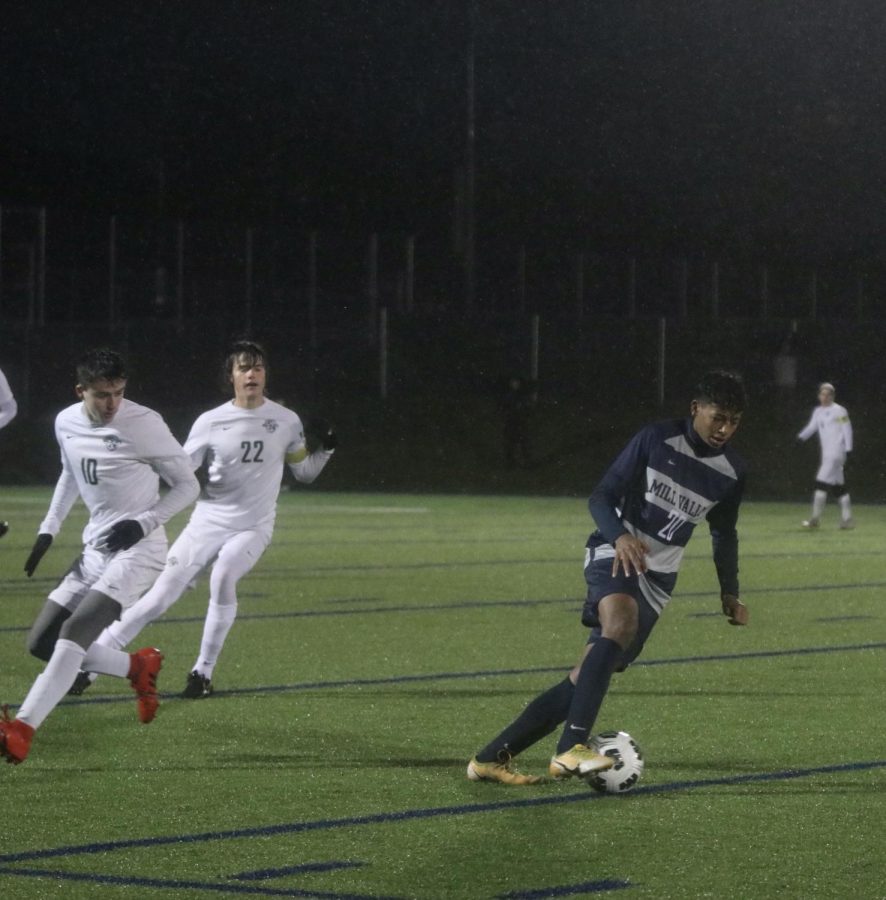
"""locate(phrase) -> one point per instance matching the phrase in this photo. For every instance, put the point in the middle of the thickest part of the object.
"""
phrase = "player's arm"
(810, 428)
(163, 453)
(607, 497)
(63, 498)
(8, 410)
(176, 471)
(723, 521)
(307, 466)
(8, 406)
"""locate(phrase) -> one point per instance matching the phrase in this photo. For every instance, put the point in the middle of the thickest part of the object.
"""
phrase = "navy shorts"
(601, 583)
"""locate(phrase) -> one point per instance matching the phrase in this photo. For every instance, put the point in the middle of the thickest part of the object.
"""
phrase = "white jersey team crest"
(244, 451)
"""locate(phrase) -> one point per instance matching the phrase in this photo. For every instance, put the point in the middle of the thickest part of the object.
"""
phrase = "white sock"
(818, 502)
(106, 661)
(219, 620)
(845, 507)
(52, 684)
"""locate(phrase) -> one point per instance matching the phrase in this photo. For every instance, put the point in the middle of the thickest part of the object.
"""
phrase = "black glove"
(323, 430)
(41, 545)
(123, 535)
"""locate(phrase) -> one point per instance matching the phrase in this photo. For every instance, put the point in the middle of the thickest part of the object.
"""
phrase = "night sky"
(753, 124)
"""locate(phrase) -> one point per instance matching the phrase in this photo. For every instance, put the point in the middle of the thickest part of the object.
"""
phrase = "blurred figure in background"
(831, 421)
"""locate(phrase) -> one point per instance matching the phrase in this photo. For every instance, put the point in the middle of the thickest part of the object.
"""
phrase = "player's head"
(826, 392)
(717, 406)
(246, 371)
(101, 383)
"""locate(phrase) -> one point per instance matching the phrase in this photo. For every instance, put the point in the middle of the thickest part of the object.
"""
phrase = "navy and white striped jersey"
(665, 482)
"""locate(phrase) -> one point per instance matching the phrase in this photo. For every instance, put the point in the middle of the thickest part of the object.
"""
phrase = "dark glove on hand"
(41, 545)
(323, 430)
(123, 535)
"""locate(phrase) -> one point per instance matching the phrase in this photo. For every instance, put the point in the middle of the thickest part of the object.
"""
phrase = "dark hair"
(99, 364)
(254, 353)
(725, 389)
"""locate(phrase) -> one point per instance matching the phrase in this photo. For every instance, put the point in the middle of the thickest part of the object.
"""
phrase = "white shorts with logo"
(200, 544)
(123, 576)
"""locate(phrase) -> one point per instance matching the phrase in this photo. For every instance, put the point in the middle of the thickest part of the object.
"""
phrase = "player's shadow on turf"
(281, 760)
(739, 691)
(388, 762)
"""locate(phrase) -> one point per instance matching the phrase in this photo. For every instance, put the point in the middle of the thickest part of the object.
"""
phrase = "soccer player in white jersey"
(113, 454)
(8, 409)
(831, 421)
(8, 406)
(243, 444)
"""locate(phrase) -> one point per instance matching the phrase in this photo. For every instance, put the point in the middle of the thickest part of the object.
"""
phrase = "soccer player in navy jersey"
(669, 478)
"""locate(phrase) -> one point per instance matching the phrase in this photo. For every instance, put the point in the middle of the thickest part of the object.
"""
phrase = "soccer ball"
(628, 766)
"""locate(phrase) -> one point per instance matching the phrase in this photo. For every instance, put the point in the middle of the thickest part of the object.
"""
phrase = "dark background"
(716, 165)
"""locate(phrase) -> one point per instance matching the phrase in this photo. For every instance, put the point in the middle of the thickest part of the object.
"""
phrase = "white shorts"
(831, 470)
(123, 576)
(199, 545)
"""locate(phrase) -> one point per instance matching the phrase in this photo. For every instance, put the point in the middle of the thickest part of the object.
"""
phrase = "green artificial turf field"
(382, 640)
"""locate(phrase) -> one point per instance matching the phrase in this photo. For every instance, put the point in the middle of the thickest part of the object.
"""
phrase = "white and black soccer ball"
(627, 766)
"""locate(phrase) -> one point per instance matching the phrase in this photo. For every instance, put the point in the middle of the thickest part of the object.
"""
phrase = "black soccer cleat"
(4, 527)
(81, 683)
(198, 687)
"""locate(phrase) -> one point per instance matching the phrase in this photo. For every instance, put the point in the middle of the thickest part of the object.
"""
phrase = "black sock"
(539, 719)
(590, 689)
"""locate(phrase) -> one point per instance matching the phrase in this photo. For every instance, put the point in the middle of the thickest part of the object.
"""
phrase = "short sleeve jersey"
(244, 451)
(114, 464)
(664, 483)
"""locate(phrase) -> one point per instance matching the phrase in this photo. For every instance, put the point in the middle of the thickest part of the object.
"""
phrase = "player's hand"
(734, 610)
(41, 545)
(324, 432)
(121, 536)
(630, 554)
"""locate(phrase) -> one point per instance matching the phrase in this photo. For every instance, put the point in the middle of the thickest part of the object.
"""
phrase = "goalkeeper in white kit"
(243, 445)
(831, 421)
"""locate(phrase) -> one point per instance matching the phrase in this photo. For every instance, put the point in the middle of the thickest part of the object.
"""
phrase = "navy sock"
(538, 720)
(590, 689)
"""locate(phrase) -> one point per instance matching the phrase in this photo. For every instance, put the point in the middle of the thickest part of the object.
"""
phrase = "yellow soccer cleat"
(501, 772)
(578, 762)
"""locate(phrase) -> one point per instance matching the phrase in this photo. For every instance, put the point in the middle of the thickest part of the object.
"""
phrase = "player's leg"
(542, 716)
(621, 619)
(127, 577)
(235, 559)
(819, 498)
(538, 720)
(187, 557)
(166, 590)
(78, 631)
(45, 630)
(618, 617)
(841, 494)
(59, 606)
